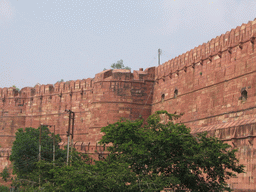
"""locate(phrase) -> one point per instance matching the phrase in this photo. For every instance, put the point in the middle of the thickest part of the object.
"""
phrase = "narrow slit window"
(244, 95)
(175, 93)
(162, 97)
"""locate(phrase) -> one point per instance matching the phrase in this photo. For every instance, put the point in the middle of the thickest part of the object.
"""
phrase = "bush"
(5, 174)
(4, 188)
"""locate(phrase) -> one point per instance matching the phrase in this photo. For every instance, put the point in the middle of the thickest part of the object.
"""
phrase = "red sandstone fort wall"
(209, 80)
(112, 94)
(207, 84)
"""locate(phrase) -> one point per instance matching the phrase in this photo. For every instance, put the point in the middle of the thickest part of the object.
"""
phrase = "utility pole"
(159, 53)
(40, 135)
(53, 147)
(72, 136)
(53, 158)
(68, 133)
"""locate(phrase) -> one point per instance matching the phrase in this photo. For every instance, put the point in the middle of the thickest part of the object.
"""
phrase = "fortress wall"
(209, 80)
(240, 134)
(105, 99)
(11, 115)
(207, 83)
(121, 95)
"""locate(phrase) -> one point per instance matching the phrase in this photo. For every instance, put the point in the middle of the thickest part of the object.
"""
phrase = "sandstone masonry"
(214, 85)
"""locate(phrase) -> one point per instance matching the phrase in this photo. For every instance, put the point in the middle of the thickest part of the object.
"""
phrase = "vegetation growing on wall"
(118, 65)
(16, 88)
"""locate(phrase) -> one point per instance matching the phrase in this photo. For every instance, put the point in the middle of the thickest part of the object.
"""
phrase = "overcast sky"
(44, 41)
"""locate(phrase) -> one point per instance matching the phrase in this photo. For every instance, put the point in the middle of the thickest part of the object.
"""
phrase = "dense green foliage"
(5, 174)
(87, 177)
(143, 156)
(62, 80)
(4, 188)
(118, 65)
(81, 176)
(25, 150)
(16, 88)
(167, 155)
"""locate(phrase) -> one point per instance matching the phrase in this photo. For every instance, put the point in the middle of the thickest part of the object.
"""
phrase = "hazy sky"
(43, 41)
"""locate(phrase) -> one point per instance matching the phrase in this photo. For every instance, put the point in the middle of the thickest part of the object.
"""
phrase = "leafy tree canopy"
(81, 176)
(4, 188)
(25, 150)
(143, 156)
(5, 174)
(101, 177)
(16, 88)
(118, 65)
(62, 80)
(168, 155)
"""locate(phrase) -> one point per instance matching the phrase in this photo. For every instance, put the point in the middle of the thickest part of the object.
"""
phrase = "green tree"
(81, 176)
(4, 188)
(84, 176)
(168, 155)
(100, 176)
(5, 174)
(118, 65)
(143, 157)
(62, 80)
(16, 88)
(25, 151)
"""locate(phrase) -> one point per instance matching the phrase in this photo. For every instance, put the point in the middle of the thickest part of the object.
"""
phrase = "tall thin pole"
(53, 158)
(68, 135)
(73, 119)
(159, 53)
(40, 135)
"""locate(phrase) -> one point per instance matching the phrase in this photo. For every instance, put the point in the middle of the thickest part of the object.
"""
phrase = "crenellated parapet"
(97, 101)
(27, 92)
(8, 92)
(78, 85)
(214, 85)
(46, 90)
(125, 75)
(243, 37)
(211, 82)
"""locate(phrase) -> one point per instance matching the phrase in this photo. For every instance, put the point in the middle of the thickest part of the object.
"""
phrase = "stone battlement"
(78, 85)
(242, 37)
(214, 85)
